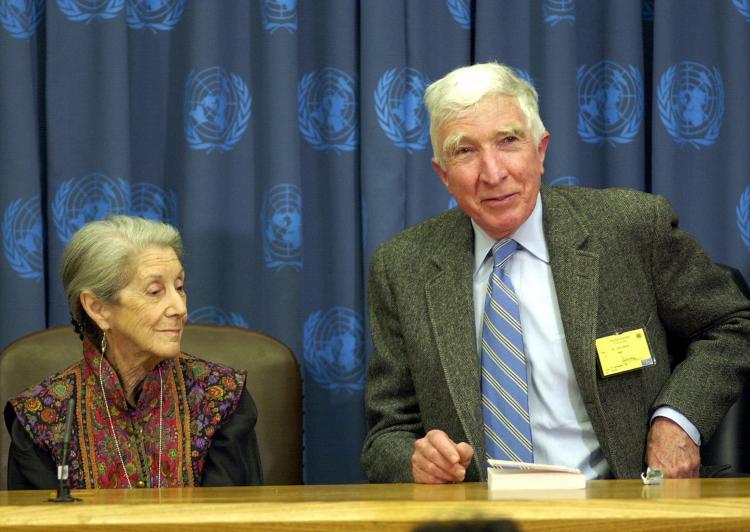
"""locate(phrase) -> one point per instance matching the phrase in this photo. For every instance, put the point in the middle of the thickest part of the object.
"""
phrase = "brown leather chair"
(273, 381)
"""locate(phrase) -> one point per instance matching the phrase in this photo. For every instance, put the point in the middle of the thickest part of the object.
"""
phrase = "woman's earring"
(104, 342)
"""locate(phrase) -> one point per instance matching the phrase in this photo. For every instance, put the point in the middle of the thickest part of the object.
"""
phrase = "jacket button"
(141, 484)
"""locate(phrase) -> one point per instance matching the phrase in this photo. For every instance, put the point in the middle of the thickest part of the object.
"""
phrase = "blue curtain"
(287, 140)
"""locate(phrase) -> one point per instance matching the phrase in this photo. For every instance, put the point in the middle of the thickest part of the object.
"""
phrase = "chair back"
(730, 444)
(273, 381)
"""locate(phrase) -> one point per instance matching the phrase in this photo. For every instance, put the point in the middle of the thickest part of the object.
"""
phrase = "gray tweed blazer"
(619, 262)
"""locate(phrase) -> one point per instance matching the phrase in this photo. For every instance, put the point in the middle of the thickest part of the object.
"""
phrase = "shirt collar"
(530, 236)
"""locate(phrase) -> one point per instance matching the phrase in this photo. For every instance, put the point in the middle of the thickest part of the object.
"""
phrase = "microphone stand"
(63, 487)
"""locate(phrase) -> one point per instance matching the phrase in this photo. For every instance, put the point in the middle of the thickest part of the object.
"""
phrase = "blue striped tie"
(505, 396)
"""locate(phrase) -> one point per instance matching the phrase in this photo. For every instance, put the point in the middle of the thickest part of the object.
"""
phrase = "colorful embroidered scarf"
(199, 397)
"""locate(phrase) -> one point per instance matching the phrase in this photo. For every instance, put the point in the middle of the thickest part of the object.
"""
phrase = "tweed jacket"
(619, 262)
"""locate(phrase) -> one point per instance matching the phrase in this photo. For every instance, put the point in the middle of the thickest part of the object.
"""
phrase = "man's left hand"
(670, 449)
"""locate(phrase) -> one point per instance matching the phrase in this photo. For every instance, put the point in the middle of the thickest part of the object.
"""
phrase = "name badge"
(624, 351)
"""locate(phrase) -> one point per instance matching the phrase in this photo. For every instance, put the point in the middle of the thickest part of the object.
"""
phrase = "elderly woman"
(147, 415)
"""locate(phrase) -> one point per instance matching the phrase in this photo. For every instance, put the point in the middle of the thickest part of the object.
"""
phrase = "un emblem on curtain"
(327, 104)
(21, 17)
(401, 112)
(279, 15)
(155, 15)
(690, 97)
(460, 10)
(555, 11)
(281, 224)
(610, 103)
(23, 241)
(334, 349)
(217, 109)
(743, 217)
(743, 6)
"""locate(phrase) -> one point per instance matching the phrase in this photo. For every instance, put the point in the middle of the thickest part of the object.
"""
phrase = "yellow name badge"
(624, 351)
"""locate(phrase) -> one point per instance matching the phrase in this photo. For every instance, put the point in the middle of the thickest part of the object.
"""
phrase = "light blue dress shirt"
(560, 427)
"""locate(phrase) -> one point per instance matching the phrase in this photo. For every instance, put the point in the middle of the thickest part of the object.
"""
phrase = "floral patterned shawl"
(199, 397)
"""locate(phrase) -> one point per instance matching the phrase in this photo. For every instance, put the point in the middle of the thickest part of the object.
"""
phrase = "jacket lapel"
(449, 296)
(575, 269)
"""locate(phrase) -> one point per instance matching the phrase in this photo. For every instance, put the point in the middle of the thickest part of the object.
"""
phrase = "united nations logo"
(151, 202)
(743, 6)
(691, 103)
(279, 14)
(217, 109)
(155, 15)
(334, 345)
(87, 10)
(610, 103)
(84, 199)
(743, 217)
(460, 10)
(400, 110)
(217, 316)
(555, 11)
(564, 181)
(23, 241)
(328, 110)
(21, 17)
(281, 223)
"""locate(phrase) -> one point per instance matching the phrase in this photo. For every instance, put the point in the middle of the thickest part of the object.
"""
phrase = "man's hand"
(670, 449)
(438, 460)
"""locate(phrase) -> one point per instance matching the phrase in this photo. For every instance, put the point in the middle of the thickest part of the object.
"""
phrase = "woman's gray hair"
(101, 257)
(462, 89)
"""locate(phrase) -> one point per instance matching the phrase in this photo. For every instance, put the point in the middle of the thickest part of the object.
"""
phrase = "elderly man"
(538, 324)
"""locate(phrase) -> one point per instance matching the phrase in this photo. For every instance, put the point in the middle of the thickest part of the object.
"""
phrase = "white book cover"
(509, 475)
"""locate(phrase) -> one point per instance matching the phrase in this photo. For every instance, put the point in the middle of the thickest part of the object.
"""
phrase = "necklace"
(112, 426)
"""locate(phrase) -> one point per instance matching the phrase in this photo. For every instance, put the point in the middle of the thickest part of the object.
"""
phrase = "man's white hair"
(462, 89)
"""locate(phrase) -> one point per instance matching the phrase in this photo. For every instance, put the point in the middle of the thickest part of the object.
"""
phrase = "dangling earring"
(104, 342)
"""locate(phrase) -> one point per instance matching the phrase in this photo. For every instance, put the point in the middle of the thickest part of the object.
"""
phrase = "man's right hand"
(438, 460)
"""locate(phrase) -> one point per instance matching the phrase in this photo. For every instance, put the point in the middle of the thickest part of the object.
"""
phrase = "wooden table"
(605, 505)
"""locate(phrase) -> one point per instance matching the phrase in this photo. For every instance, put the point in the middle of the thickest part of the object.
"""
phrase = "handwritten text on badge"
(623, 352)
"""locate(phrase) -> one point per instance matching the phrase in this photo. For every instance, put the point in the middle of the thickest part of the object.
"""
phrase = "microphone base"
(63, 495)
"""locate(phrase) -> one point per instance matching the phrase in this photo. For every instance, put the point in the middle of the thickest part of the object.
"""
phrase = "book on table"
(509, 475)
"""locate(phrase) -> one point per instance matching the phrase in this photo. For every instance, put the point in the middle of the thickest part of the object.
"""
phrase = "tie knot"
(502, 250)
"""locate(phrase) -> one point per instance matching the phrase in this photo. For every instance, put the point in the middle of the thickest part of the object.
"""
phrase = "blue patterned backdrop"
(287, 139)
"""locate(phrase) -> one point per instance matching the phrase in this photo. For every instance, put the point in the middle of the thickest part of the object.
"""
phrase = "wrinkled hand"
(670, 449)
(438, 460)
